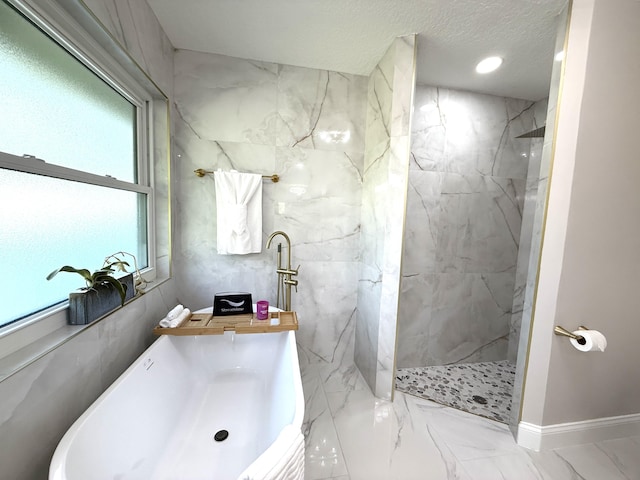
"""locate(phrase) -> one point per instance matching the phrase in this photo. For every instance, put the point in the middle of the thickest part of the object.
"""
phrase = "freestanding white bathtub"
(158, 420)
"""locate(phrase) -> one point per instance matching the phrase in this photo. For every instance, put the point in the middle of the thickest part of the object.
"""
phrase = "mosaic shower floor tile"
(480, 388)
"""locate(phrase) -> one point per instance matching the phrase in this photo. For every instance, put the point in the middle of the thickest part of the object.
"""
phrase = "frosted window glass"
(55, 108)
(46, 223)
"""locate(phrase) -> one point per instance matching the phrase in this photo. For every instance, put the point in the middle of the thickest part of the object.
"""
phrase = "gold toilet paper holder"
(558, 330)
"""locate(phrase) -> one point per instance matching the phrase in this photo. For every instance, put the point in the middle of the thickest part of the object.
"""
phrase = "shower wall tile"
(467, 186)
(267, 118)
(386, 164)
(479, 225)
(469, 133)
(320, 109)
(414, 316)
(423, 213)
(470, 317)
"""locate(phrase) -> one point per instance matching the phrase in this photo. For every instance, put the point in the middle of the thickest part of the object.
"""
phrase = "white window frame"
(49, 17)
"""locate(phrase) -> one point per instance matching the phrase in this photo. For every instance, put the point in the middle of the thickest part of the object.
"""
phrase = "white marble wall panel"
(470, 317)
(226, 99)
(383, 209)
(465, 206)
(367, 324)
(403, 86)
(424, 213)
(414, 317)
(134, 25)
(379, 101)
(479, 224)
(326, 309)
(318, 199)
(468, 133)
(319, 109)
(40, 401)
(396, 205)
(266, 118)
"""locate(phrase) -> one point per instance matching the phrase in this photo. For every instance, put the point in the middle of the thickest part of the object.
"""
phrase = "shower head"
(537, 133)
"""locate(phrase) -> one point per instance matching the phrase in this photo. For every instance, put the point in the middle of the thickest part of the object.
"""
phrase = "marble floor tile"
(517, 466)
(389, 441)
(624, 454)
(613, 459)
(351, 435)
(469, 436)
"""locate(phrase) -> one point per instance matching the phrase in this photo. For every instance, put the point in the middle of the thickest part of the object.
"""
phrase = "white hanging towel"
(239, 211)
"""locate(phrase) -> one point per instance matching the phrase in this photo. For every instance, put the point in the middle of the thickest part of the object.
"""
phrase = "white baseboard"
(536, 437)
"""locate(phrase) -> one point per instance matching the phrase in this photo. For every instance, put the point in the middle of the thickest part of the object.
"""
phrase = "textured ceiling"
(352, 35)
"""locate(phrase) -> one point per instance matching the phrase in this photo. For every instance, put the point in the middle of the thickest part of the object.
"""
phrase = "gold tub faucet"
(285, 282)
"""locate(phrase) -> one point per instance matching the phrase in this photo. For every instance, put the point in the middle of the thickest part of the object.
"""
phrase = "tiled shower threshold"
(483, 389)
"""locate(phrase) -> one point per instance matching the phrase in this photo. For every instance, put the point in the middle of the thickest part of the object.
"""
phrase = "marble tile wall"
(41, 401)
(467, 185)
(307, 126)
(386, 162)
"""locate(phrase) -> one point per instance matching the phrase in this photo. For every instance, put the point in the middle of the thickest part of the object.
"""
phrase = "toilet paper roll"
(594, 341)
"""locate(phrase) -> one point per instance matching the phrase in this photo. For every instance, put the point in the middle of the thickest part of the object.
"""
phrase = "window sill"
(15, 361)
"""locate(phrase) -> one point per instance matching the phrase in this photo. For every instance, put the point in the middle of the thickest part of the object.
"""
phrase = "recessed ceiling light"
(488, 64)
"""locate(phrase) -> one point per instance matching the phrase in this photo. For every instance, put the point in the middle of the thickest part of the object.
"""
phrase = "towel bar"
(275, 178)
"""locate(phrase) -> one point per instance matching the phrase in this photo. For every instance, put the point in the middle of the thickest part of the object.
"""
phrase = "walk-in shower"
(462, 291)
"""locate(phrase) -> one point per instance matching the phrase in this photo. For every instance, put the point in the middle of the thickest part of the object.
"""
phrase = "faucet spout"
(286, 237)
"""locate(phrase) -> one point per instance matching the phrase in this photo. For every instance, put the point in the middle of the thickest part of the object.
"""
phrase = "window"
(74, 182)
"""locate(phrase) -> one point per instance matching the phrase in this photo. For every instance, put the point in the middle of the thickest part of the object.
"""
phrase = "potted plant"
(103, 292)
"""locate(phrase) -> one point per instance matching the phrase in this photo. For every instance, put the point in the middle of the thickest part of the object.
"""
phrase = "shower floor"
(480, 388)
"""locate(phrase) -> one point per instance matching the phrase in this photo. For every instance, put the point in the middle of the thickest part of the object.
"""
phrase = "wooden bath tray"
(207, 324)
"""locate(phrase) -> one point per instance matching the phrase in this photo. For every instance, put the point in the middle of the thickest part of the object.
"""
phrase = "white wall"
(589, 271)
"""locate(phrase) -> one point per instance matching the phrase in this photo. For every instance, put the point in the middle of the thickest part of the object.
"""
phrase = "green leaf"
(121, 288)
(86, 274)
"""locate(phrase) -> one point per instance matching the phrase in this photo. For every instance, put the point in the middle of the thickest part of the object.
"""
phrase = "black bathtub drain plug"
(221, 435)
